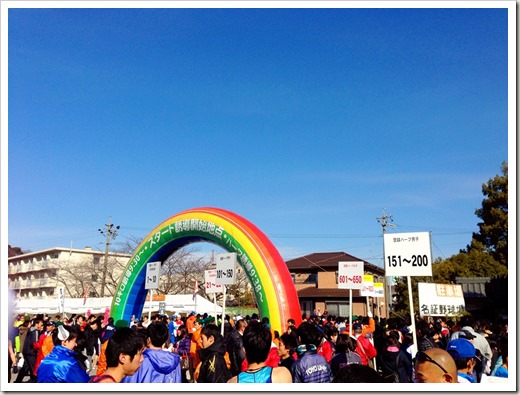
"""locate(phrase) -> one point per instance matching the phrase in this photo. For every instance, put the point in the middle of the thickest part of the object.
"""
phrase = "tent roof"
(174, 303)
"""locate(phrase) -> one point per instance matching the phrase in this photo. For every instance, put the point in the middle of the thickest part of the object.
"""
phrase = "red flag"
(195, 290)
(85, 295)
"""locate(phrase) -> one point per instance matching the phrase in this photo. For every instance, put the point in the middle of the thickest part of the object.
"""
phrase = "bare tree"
(129, 245)
(241, 292)
(85, 274)
(181, 269)
(178, 273)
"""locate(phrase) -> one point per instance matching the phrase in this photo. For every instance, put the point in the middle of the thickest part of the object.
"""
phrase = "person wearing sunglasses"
(435, 366)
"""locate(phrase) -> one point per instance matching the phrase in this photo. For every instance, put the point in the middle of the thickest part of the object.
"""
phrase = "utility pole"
(384, 221)
(111, 232)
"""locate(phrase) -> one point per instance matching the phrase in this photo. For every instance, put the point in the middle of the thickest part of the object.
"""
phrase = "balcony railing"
(32, 267)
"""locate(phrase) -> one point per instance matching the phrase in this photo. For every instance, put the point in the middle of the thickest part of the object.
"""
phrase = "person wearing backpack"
(395, 365)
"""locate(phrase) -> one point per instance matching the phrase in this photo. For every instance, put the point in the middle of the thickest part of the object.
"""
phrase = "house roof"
(326, 261)
(87, 250)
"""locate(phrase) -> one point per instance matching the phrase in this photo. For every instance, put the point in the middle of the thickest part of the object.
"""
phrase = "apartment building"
(42, 274)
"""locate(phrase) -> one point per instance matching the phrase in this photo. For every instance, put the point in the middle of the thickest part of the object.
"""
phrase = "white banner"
(407, 254)
(210, 277)
(440, 299)
(350, 275)
(61, 300)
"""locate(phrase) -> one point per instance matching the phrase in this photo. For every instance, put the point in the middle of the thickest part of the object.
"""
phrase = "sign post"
(379, 289)
(350, 276)
(152, 282)
(406, 255)
(61, 300)
(226, 274)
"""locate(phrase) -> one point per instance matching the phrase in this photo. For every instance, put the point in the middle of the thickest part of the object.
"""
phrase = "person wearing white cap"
(61, 365)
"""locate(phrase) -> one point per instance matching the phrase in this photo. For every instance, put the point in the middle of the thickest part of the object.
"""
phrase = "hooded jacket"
(61, 366)
(213, 367)
(158, 366)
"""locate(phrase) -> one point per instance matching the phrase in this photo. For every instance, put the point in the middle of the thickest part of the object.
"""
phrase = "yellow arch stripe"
(250, 248)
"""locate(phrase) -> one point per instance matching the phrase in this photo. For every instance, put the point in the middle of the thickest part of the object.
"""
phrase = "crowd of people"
(322, 348)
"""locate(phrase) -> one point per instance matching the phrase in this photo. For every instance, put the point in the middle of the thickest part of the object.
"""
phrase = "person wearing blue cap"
(465, 357)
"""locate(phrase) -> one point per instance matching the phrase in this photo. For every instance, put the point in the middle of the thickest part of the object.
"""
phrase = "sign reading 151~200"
(408, 254)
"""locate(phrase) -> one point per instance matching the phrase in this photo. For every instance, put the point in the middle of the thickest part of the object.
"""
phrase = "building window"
(338, 308)
(96, 260)
(55, 255)
(293, 276)
(311, 279)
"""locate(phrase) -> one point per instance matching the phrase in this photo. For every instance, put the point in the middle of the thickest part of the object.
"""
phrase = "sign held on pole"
(350, 275)
(226, 268)
(407, 254)
(210, 282)
(152, 275)
(368, 286)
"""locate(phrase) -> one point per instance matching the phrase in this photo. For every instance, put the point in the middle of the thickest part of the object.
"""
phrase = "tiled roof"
(327, 261)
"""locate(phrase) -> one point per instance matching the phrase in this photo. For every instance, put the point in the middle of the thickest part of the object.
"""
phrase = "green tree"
(492, 235)
(475, 263)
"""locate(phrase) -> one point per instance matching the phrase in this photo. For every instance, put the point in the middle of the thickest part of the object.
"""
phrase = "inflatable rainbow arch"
(266, 270)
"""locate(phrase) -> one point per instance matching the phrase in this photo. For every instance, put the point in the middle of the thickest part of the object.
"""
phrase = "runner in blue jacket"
(310, 367)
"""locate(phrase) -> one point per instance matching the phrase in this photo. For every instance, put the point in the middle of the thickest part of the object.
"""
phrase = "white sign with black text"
(226, 268)
(152, 275)
(407, 254)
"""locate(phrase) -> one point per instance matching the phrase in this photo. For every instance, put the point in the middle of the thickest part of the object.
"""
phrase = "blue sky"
(307, 122)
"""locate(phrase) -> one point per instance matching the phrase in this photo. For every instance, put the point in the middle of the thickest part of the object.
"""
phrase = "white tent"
(173, 303)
